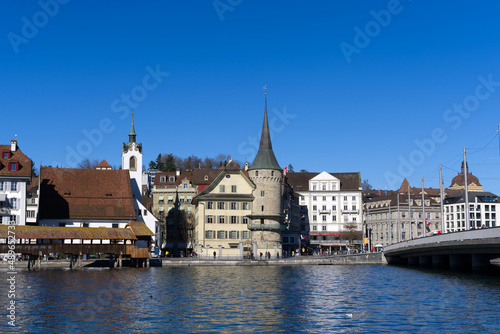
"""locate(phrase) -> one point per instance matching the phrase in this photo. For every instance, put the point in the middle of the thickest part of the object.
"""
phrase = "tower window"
(256, 173)
(262, 209)
(133, 164)
(272, 173)
(262, 193)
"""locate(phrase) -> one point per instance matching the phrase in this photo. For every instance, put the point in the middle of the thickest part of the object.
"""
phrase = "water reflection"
(313, 299)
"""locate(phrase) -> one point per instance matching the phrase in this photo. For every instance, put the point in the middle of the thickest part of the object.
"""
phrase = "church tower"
(267, 175)
(132, 160)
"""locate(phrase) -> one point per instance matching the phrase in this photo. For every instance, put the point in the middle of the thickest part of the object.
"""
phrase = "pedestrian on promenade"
(215, 254)
(261, 255)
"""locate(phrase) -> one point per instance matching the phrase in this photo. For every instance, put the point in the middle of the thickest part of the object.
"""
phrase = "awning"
(170, 198)
(314, 235)
(161, 198)
(160, 209)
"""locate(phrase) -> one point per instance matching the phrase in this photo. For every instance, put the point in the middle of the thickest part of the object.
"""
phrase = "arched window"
(133, 164)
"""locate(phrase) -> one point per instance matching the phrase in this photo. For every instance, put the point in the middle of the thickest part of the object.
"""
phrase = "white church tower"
(132, 160)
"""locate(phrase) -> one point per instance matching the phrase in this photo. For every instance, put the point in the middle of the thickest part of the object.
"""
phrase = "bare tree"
(351, 232)
(366, 185)
(88, 164)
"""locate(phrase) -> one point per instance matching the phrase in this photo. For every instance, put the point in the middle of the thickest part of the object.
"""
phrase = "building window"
(185, 185)
(163, 179)
(324, 198)
(245, 220)
(315, 208)
(210, 219)
(334, 208)
(245, 235)
(85, 225)
(345, 207)
(354, 208)
(324, 218)
(345, 198)
(234, 235)
(262, 193)
(210, 205)
(233, 206)
(262, 209)
(6, 155)
(272, 173)
(323, 228)
(171, 179)
(256, 173)
(13, 166)
(1, 185)
(324, 187)
(314, 187)
(302, 198)
(233, 189)
(324, 208)
(314, 198)
(244, 206)
(209, 234)
(30, 214)
(13, 186)
(315, 228)
(334, 218)
(315, 218)
(221, 234)
(133, 164)
(353, 198)
(114, 225)
(221, 205)
(334, 198)
(222, 188)
(222, 219)
(234, 220)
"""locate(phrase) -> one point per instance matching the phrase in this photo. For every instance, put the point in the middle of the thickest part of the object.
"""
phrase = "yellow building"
(221, 215)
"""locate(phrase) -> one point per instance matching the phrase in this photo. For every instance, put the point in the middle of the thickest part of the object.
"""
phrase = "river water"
(302, 299)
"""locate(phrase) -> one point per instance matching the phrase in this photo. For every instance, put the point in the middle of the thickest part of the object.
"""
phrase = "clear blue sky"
(352, 85)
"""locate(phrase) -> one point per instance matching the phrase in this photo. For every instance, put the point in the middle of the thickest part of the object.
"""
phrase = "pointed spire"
(132, 135)
(265, 158)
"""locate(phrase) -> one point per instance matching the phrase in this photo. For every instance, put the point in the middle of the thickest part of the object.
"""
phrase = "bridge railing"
(485, 233)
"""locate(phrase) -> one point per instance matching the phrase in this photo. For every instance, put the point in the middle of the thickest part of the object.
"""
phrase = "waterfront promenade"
(367, 258)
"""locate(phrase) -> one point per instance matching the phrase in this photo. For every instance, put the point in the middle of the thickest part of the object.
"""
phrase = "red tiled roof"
(17, 156)
(67, 193)
(178, 178)
(103, 164)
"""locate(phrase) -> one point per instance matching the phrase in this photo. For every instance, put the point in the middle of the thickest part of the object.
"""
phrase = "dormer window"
(13, 166)
(171, 179)
(6, 154)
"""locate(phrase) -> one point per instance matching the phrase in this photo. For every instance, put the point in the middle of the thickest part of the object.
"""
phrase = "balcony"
(349, 211)
(324, 212)
(258, 226)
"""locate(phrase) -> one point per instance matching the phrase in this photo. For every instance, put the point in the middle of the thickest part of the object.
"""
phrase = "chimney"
(177, 172)
(13, 145)
(246, 165)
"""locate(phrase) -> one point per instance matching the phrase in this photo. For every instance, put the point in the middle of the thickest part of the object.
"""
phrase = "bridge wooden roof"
(49, 232)
(140, 229)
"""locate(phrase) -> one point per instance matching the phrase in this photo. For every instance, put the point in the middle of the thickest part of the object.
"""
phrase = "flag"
(302, 237)
(427, 222)
(379, 191)
(285, 170)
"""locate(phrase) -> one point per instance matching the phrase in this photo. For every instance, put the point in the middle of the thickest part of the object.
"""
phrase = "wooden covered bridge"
(133, 241)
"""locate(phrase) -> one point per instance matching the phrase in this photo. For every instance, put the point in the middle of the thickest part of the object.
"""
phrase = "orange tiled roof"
(67, 193)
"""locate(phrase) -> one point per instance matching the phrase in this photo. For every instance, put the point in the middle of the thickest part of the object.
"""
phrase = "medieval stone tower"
(132, 160)
(267, 175)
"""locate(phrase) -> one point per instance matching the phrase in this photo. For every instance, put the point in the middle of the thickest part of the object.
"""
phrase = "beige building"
(399, 217)
(222, 211)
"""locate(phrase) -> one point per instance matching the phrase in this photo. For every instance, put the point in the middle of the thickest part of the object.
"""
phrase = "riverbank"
(369, 258)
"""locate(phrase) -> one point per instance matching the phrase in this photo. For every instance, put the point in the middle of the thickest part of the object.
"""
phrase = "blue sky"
(388, 88)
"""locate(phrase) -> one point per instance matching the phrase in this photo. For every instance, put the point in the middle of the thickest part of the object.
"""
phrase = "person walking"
(215, 254)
